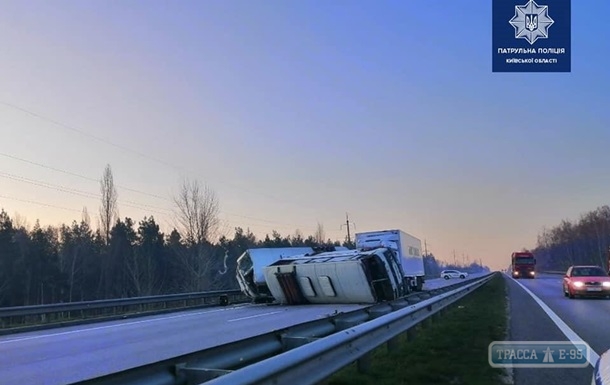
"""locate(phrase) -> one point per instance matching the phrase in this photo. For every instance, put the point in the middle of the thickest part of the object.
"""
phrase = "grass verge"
(451, 351)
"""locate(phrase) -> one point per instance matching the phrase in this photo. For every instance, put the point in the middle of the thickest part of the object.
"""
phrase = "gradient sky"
(297, 112)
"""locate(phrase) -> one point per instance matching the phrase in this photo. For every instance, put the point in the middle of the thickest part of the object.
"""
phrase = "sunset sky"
(298, 112)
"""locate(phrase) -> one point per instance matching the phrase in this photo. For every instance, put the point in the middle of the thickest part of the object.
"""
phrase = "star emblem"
(531, 22)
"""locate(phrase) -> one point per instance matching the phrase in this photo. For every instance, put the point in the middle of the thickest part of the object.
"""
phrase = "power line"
(127, 149)
(236, 224)
(119, 186)
(79, 211)
(79, 175)
(39, 203)
(148, 208)
(79, 192)
(86, 134)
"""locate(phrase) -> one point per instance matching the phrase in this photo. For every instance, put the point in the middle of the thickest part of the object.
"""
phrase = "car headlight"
(532, 273)
(606, 284)
(578, 284)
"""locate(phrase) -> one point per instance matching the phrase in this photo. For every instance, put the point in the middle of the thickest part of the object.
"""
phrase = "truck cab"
(523, 265)
(407, 248)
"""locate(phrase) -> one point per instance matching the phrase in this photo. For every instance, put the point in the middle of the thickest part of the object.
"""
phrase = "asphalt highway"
(546, 315)
(77, 353)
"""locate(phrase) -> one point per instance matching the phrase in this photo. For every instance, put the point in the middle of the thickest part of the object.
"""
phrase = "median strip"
(452, 350)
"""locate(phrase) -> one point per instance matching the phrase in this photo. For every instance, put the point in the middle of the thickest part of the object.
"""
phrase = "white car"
(448, 274)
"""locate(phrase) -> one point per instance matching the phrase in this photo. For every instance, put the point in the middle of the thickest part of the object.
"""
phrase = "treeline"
(122, 258)
(573, 242)
(75, 263)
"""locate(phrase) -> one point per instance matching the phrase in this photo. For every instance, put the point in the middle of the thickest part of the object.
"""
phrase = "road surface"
(546, 315)
(77, 353)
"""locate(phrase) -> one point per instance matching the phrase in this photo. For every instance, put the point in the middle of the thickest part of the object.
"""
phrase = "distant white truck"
(349, 276)
(406, 246)
(250, 264)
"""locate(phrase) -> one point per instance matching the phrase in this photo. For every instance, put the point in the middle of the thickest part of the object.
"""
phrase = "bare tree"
(197, 212)
(320, 234)
(85, 216)
(21, 222)
(197, 217)
(141, 274)
(108, 209)
(197, 265)
(224, 229)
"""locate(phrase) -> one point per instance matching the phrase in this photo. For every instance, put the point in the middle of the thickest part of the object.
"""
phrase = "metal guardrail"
(76, 306)
(318, 360)
(321, 346)
(37, 316)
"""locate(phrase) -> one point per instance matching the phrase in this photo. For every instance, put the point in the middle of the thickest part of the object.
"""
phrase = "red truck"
(523, 265)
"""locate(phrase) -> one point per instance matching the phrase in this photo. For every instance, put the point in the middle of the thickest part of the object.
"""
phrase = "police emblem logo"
(531, 22)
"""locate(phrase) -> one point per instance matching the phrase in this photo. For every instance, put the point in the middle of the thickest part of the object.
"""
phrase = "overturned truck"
(251, 263)
(348, 276)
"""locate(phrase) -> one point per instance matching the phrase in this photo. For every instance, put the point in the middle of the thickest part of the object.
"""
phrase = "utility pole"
(425, 248)
(454, 259)
(349, 237)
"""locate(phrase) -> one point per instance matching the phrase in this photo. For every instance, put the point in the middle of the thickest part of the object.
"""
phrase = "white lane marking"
(565, 329)
(254, 316)
(117, 325)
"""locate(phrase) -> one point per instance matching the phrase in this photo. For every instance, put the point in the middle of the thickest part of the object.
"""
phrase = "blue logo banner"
(532, 36)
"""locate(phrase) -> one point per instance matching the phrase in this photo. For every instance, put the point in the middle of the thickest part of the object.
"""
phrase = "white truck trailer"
(405, 245)
(351, 276)
(250, 264)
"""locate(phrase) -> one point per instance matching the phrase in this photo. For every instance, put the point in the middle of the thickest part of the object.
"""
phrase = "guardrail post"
(223, 300)
(437, 316)
(364, 363)
(411, 334)
(426, 323)
(393, 343)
